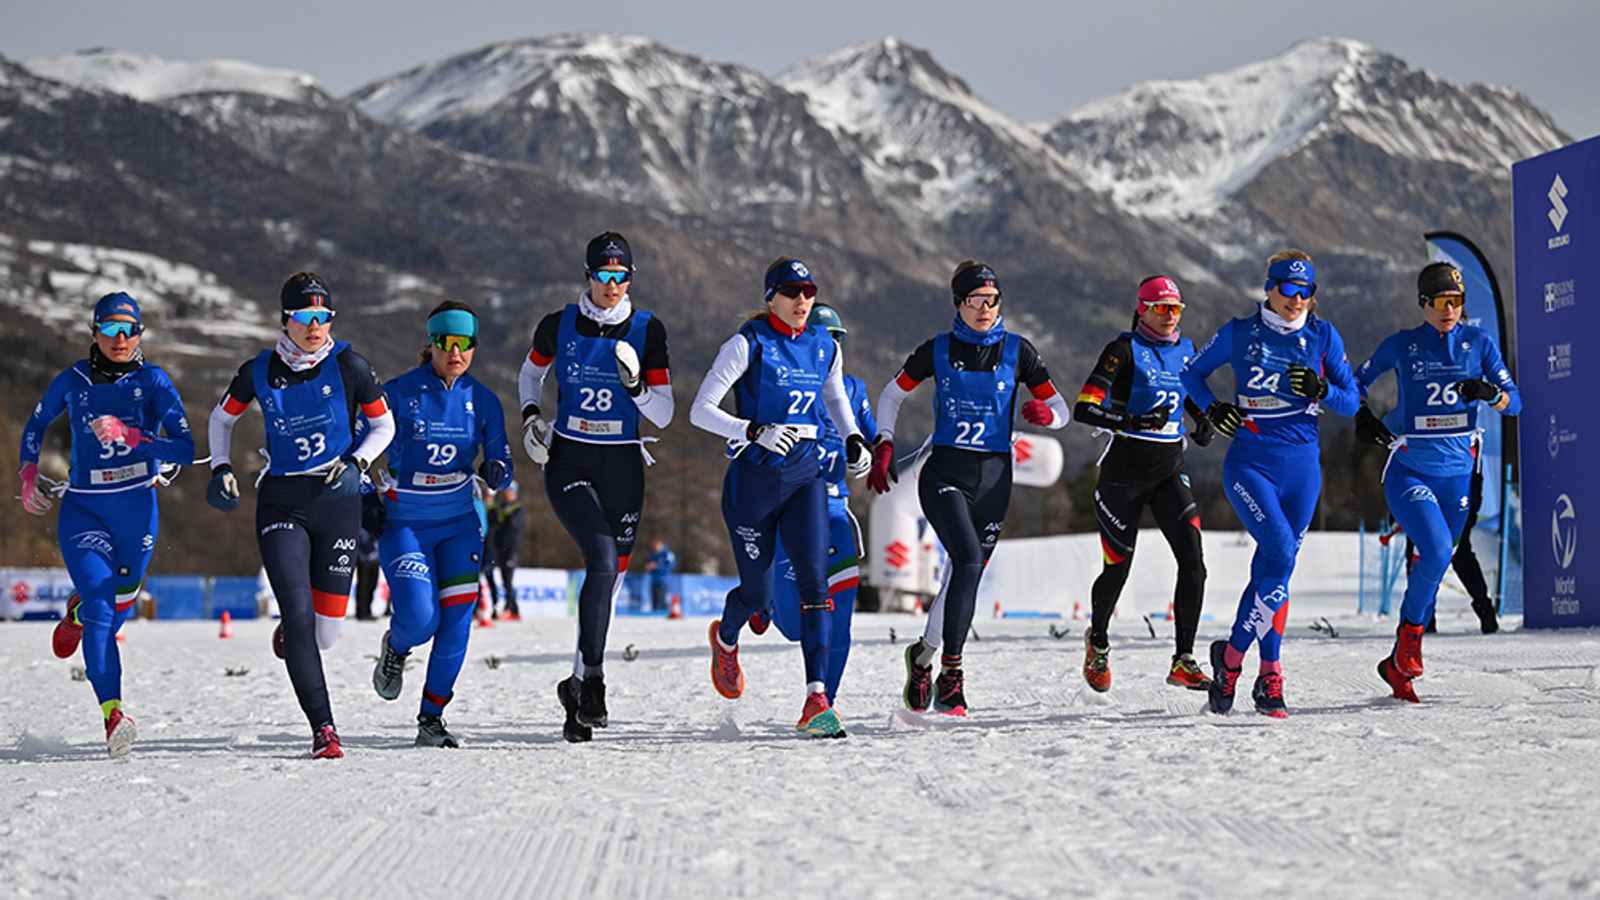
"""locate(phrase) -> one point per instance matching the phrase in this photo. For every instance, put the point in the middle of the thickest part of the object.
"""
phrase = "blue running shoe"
(1223, 680)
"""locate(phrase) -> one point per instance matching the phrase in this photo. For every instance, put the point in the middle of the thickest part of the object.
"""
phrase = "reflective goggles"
(796, 288)
(1296, 289)
(458, 342)
(309, 317)
(610, 276)
(1442, 302)
(981, 301)
(119, 328)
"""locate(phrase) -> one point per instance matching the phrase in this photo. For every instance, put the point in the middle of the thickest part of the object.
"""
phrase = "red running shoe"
(69, 631)
(1399, 685)
(726, 676)
(120, 734)
(325, 744)
(818, 718)
(1096, 664)
(1408, 650)
(761, 621)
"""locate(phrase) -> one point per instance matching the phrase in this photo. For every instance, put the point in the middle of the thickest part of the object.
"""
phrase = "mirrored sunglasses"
(987, 301)
(120, 328)
(460, 342)
(610, 276)
(1297, 289)
(312, 316)
(1442, 302)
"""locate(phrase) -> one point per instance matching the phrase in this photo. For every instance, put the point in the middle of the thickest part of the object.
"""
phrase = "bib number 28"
(594, 399)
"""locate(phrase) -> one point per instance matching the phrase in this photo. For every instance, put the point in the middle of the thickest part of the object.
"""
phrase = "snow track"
(1486, 789)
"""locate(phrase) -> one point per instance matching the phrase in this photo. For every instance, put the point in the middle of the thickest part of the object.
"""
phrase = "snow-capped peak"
(931, 140)
(151, 78)
(562, 65)
(1179, 147)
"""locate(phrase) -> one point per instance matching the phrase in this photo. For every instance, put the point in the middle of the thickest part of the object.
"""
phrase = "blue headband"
(792, 272)
(453, 321)
(1290, 270)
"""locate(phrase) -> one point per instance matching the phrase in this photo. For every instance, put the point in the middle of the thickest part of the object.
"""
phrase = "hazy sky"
(1033, 60)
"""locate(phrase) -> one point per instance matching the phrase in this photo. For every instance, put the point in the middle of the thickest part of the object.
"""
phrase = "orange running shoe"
(726, 676)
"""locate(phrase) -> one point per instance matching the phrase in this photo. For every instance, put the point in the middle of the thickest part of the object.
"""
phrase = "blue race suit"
(764, 492)
(1427, 481)
(844, 545)
(432, 542)
(108, 522)
(1272, 472)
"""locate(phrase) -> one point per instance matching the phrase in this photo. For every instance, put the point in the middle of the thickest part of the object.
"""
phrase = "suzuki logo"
(1564, 532)
(1558, 205)
(897, 554)
(1022, 450)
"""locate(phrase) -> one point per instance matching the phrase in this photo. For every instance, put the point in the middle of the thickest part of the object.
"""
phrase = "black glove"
(858, 456)
(1203, 431)
(1478, 389)
(1371, 430)
(344, 476)
(1225, 417)
(1154, 420)
(494, 473)
(1306, 383)
(374, 515)
(223, 491)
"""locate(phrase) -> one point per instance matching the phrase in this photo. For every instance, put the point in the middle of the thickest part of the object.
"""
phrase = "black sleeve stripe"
(1030, 368)
(547, 334)
(655, 345)
(359, 378)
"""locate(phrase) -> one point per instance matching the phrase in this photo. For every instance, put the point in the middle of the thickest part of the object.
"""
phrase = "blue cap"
(787, 271)
(453, 321)
(118, 305)
(1300, 270)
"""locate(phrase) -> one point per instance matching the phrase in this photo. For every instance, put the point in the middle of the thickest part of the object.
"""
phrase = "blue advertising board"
(1556, 222)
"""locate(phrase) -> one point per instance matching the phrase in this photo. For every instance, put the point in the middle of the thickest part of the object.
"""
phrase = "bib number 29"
(969, 434)
(441, 454)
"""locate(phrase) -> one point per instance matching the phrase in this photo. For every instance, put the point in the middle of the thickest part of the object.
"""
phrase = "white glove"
(230, 485)
(780, 439)
(536, 438)
(628, 368)
(858, 456)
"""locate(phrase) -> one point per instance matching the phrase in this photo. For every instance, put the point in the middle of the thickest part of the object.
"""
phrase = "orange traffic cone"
(1169, 610)
(483, 611)
(997, 609)
(227, 626)
(675, 607)
(1077, 610)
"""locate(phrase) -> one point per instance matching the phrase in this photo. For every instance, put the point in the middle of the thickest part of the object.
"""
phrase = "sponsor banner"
(34, 593)
(1556, 220)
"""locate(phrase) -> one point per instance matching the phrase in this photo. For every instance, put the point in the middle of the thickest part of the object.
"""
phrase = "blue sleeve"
(1214, 355)
(493, 432)
(863, 407)
(1343, 397)
(1495, 372)
(47, 410)
(1382, 360)
(176, 442)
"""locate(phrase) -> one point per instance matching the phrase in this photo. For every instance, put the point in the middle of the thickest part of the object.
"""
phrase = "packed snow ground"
(1486, 789)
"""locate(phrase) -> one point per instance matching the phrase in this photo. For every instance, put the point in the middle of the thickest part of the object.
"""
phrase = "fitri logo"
(1564, 531)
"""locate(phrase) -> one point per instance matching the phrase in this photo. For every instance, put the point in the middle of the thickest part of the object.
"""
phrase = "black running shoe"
(592, 702)
(919, 680)
(1224, 681)
(388, 673)
(948, 694)
(432, 733)
(574, 731)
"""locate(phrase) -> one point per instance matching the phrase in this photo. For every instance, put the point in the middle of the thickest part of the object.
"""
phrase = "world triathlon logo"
(1564, 532)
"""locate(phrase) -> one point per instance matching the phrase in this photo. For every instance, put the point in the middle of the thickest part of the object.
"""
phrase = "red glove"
(112, 430)
(33, 500)
(1038, 412)
(882, 474)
